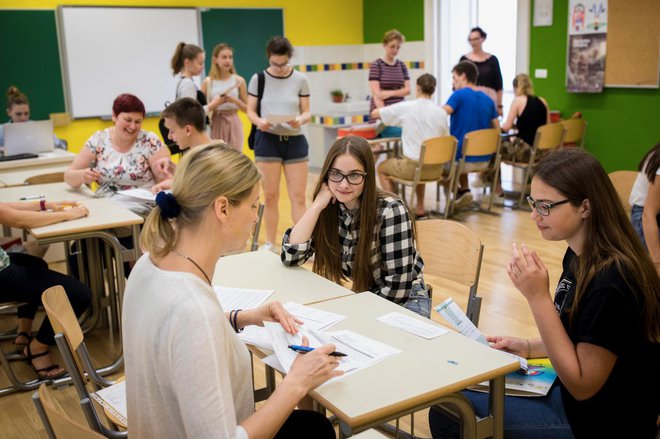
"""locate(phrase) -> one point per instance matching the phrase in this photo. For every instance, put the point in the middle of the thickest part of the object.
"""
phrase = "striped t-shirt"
(390, 77)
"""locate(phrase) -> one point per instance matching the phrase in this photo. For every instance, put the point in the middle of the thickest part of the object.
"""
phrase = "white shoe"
(464, 201)
(498, 199)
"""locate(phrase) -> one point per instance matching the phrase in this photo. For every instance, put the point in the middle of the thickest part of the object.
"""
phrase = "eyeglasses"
(279, 66)
(474, 39)
(543, 207)
(353, 178)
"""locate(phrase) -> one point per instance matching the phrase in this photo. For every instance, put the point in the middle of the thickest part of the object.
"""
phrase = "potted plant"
(337, 96)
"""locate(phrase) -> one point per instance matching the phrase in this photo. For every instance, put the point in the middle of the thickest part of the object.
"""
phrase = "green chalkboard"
(31, 60)
(246, 30)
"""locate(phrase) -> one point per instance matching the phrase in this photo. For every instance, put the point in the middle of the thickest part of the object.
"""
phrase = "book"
(535, 381)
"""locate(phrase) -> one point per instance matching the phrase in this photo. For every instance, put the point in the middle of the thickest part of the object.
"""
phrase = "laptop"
(29, 137)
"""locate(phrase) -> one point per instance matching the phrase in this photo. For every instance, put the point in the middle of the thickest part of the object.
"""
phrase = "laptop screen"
(31, 136)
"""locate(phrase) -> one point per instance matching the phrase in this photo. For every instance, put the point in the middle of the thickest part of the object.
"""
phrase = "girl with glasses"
(280, 145)
(356, 231)
(602, 326)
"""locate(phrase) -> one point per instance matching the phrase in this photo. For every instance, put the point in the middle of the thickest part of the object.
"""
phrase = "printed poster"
(587, 44)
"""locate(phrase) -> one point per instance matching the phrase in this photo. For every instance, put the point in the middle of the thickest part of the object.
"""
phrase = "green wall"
(380, 16)
(623, 123)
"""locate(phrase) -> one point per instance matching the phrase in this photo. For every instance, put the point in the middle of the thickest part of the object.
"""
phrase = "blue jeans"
(419, 301)
(636, 218)
(537, 418)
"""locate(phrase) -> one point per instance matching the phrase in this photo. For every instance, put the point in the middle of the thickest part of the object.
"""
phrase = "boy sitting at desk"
(185, 119)
(420, 119)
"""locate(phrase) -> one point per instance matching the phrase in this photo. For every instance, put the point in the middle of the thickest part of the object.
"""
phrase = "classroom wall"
(305, 23)
(623, 122)
(382, 15)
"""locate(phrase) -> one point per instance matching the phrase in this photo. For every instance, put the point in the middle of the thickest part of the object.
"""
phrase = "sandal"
(20, 346)
(29, 357)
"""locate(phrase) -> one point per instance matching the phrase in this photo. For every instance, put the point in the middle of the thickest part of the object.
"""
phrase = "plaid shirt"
(396, 262)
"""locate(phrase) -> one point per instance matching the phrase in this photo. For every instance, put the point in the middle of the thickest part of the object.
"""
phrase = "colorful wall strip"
(349, 66)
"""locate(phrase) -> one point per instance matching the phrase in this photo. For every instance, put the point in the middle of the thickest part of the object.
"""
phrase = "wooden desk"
(425, 373)
(14, 172)
(51, 192)
(264, 270)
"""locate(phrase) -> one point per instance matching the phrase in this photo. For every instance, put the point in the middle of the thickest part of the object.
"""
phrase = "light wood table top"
(57, 156)
(17, 176)
(50, 191)
(264, 270)
(424, 370)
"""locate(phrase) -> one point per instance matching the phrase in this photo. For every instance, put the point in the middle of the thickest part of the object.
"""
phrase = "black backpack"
(261, 82)
(164, 132)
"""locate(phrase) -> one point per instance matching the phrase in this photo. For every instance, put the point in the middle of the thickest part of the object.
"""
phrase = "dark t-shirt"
(609, 315)
(533, 116)
(490, 74)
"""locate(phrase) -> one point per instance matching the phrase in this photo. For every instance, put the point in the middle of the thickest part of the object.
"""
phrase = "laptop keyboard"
(23, 156)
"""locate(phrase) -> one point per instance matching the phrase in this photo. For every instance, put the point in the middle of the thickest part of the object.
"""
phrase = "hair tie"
(169, 208)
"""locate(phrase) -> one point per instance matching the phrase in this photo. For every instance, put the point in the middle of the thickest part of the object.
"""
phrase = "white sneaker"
(464, 201)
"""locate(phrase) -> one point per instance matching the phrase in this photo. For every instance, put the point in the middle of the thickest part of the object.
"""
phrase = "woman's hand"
(162, 186)
(528, 273)
(385, 94)
(264, 125)
(275, 312)
(314, 368)
(165, 167)
(295, 123)
(514, 345)
(90, 176)
(76, 212)
(323, 198)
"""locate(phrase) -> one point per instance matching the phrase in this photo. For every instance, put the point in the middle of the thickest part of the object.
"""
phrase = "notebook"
(29, 137)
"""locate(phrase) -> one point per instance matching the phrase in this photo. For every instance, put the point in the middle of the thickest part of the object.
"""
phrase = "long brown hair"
(184, 52)
(327, 251)
(610, 240)
(653, 155)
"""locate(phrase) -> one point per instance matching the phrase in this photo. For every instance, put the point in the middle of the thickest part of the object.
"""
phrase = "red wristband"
(42, 204)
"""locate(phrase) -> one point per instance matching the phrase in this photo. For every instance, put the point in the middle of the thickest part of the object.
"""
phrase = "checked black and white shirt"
(396, 262)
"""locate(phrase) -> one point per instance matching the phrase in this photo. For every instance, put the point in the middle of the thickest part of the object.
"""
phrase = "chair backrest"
(575, 130)
(439, 150)
(60, 119)
(623, 182)
(53, 177)
(60, 422)
(481, 142)
(452, 251)
(549, 136)
(63, 320)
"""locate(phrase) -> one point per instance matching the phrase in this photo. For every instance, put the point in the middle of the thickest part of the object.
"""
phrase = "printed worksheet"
(114, 399)
(241, 298)
(412, 325)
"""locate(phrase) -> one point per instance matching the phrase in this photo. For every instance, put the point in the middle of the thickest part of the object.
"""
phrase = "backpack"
(261, 82)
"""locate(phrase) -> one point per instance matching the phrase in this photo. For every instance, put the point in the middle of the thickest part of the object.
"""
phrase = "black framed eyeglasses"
(354, 178)
(543, 207)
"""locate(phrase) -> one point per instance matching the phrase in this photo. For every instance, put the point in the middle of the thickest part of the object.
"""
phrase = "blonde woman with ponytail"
(223, 82)
(527, 111)
(187, 372)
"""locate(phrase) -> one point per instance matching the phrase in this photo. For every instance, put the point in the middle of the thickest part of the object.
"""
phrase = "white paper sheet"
(412, 325)
(313, 318)
(280, 118)
(241, 298)
(140, 194)
(114, 399)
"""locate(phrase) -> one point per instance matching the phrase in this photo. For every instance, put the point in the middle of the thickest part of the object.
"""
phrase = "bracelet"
(529, 349)
(233, 317)
(42, 205)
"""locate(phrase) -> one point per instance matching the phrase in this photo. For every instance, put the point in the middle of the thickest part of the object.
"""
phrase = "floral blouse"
(121, 171)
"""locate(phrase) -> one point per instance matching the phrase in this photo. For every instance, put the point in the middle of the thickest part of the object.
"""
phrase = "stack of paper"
(241, 298)
(138, 194)
(113, 398)
(412, 325)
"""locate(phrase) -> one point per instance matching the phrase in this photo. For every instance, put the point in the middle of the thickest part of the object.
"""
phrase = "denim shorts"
(276, 148)
(419, 301)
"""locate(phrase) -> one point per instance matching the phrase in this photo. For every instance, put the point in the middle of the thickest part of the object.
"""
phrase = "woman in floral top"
(359, 232)
(121, 157)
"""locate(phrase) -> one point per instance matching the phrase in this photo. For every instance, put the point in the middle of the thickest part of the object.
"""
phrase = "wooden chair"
(453, 252)
(435, 151)
(53, 177)
(484, 142)
(390, 146)
(623, 182)
(549, 136)
(576, 130)
(69, 340)
(56, 421)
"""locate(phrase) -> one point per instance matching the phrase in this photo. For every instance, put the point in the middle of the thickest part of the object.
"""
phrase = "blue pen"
(305, 349)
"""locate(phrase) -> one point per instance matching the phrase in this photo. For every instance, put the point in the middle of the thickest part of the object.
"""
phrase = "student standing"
(187, 372)
(280, 145)
(645, 202)
(490, 75)
(358, 232)
(389, 80)
(420, 119)
(601, 331)
(223, 82)
(187, 62)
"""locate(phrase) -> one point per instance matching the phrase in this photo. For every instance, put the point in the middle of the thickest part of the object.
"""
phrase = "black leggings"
(306, 424)
(25, 280)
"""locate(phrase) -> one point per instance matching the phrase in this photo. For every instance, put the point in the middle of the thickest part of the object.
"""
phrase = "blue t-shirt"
(473, 110)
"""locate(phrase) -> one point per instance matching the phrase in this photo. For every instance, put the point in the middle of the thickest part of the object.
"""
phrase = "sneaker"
(498, 200)
(464, 200)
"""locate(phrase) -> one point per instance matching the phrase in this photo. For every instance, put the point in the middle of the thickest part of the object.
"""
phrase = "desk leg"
(496, 404)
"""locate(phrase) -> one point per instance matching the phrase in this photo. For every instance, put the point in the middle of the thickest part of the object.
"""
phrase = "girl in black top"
(527, 111)
(489, 80)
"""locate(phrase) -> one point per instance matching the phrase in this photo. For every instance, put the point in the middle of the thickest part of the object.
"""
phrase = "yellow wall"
(306, 23)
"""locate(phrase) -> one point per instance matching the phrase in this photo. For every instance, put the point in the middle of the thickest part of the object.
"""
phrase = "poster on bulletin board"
(587, 33)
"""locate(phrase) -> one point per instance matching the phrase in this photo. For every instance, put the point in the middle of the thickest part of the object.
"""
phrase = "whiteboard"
(107, 51)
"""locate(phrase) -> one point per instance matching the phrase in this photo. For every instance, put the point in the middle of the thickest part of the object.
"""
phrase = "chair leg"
(42, 415)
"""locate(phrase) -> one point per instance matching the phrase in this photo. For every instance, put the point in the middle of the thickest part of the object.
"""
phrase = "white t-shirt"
(419, 119)
(641, 187)
(187, 373)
